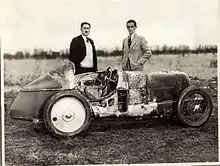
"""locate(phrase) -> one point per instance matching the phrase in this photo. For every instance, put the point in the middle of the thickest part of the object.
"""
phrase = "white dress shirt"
(88, 60)
(132, 36)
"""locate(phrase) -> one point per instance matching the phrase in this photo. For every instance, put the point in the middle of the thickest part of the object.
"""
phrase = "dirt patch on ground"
(107, 142)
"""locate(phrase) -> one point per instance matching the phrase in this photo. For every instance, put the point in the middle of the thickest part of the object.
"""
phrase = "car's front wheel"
(194, 106)
(67, 114)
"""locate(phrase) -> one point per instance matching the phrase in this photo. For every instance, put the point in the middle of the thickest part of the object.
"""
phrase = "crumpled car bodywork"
(31, 98)
(136, 93)
(66, 103)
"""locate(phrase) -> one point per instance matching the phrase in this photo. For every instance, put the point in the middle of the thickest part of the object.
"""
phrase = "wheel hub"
(68, 116)
(197, 107)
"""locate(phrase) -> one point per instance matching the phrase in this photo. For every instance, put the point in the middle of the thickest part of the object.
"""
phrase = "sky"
(51, 24)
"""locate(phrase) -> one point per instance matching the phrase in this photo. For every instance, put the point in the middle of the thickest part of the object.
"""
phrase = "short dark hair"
(83, 23)
(132, 21)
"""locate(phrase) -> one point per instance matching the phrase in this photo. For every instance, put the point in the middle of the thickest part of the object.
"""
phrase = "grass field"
(21, 72)
(114, 142)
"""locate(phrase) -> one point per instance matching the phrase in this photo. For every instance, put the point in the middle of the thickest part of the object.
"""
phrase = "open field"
(108, 142)
(21, 72)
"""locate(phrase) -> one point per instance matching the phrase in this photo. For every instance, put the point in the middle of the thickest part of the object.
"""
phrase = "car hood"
(61, 78)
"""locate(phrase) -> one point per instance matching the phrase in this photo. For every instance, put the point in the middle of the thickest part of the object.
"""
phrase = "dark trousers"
(83, 70)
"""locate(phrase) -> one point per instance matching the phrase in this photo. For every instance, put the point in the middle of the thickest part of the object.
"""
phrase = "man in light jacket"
(135, 49)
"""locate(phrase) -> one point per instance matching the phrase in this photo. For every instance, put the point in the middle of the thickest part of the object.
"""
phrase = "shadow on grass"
(98, 126)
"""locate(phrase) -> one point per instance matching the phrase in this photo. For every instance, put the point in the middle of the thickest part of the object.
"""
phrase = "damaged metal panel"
(138, 96)
(142, 109)
(44, 83)
(122, 81)
(107, 107)
(90, 87)
(136, 79)
(65, 75)
(133, 110)
(61, 78)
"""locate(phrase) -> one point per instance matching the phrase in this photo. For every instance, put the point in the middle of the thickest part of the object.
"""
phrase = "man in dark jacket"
(82, 51)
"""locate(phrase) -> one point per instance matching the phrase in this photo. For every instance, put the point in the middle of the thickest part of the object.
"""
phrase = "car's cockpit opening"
(97, 86)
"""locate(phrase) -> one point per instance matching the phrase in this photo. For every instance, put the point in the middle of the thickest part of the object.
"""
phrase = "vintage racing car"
(66, 103)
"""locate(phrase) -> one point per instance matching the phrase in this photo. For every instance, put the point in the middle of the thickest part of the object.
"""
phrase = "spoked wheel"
(194, 107)
(67, 114)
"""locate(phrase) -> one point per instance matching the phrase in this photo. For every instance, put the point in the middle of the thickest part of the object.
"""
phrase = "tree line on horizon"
(165, 49)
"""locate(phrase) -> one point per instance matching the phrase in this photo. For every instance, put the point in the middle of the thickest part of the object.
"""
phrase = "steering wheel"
(107, 77)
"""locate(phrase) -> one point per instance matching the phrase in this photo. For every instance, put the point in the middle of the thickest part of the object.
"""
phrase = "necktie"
(87, 39)
(129, 41)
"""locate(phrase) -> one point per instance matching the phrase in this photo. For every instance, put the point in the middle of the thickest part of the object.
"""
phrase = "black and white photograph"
(110, 82)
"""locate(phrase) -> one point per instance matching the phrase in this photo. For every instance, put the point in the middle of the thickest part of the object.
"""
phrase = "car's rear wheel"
(194, 107)
(67, 114)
